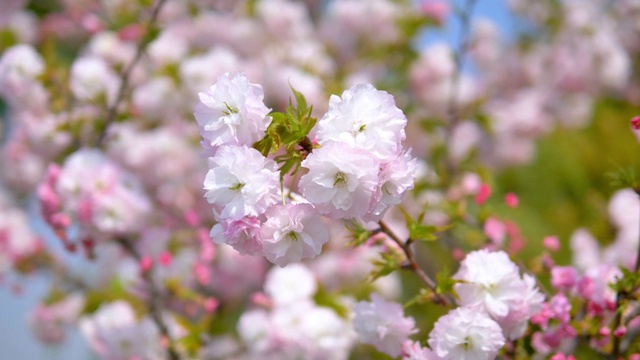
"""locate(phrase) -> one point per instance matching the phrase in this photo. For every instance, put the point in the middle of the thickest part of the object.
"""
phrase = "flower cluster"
(294, 326)
(96, 194)
(359, 170)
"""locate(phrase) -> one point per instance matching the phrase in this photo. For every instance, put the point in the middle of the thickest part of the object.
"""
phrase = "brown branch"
(112, 110)
(154, 301)
(413, 264)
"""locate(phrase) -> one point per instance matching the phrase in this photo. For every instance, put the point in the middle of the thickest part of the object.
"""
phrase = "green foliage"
(628, 284)
(289, 129)
(444, 282)
(114, 291)
(325, 299)
(358, 233)
(564, 188)
(624, 177)
(424, 296)
(388, 262)
(419, 231)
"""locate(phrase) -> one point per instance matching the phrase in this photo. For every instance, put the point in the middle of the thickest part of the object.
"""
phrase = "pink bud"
(202, 274)
(165, 258)
(85, 210)
(261, 299)
(89, 245)
(52, 175)
(558, 356)
(49, 200)
(564, 277)
(634, 357)
(483, 194)
(495, 230)
(635, 127)
(60, 221)
(471, 183)
(620, 331)
(551, 243)
(92, 23)
(207, 250)
(511, 200)
(131, 32)
(604, 331)
(458, 254)
(146, 263)
(191, 217)
(211, 304)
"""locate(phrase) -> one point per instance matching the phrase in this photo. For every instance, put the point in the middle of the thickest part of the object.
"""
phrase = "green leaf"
(359, 235)
(628, 283)
(301, 102)
(424, 297)
(444, 282)
(417, 230)
(624, 177)
(389, 262)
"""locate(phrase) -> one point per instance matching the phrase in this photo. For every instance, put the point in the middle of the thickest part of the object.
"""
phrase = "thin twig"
(112, 110)
(154, 302)
(413, 264)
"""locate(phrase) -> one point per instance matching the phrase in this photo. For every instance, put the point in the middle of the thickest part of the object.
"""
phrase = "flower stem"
(413, 264)
(112, 110)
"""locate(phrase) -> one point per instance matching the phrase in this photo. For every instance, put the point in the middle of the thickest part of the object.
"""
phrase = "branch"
(413, 264)
(155, 306)
(112, 110)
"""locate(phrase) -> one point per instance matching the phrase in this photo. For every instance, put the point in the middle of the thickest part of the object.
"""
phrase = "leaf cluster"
(289, 129)
(420, 232)
(628, 284)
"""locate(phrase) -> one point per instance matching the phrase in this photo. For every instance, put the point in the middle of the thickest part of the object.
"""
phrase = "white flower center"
(237, 187)
(230, 110)
(340, 180)
(293, 236)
